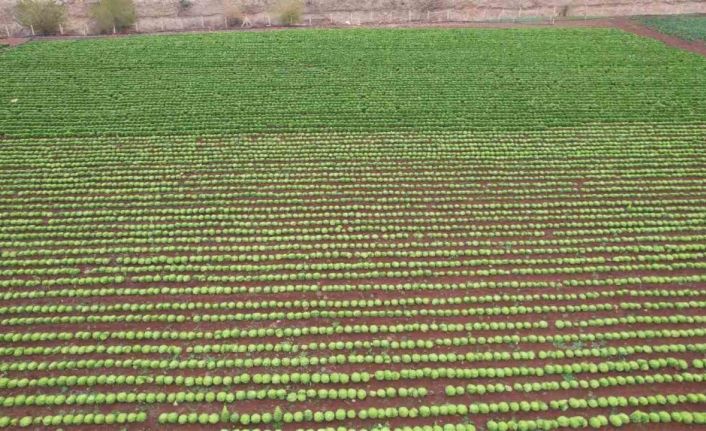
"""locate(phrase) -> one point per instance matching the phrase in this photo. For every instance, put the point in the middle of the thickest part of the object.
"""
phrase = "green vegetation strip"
(684, 26)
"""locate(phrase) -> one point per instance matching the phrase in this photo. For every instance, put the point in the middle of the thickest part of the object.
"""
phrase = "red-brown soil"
(13, 41)
(644, 31)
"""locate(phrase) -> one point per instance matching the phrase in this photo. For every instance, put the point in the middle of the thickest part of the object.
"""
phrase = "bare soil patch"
(644, 31)
(13, 41)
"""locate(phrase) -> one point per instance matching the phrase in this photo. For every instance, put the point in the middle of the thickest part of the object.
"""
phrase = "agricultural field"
(445, 229)
(689, 27)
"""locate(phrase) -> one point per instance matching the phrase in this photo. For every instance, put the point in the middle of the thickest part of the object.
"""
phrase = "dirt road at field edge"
(635, 27)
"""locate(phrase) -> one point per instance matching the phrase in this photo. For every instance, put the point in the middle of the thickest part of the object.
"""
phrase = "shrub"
(289, 12)
(45, 16)
(114, 15)
(233, 12)
(184, 5)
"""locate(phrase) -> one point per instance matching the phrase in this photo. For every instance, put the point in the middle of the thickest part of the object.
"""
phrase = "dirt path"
(635, 27)
(13, 41)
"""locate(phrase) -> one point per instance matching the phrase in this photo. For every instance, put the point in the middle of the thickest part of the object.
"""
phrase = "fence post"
(225, 21)
(32, 28)
(448, 15)
(7, 30)
(137, 27)
(61, 29)
(203, 22)
(114, 29)
(428, 16)
(309, 21)
(409, 16)
(269, 21)
(85, 29)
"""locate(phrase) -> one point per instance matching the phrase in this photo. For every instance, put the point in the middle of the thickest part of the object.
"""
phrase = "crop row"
(410, 301)
(368, 344)
(672, 319)
(408, 230)
(423, 411)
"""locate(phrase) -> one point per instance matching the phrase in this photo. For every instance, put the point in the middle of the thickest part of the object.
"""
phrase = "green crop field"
(405, 230)
(684, 26)
(346, 81)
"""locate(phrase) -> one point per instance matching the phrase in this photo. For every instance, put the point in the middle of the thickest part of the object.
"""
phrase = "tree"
(114, 15)
(182, 6)
(289, 12)
(43, 16)
(233, 13)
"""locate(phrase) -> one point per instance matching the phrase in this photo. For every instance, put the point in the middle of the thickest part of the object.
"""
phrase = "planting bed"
(690, 27)
(370, 229)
